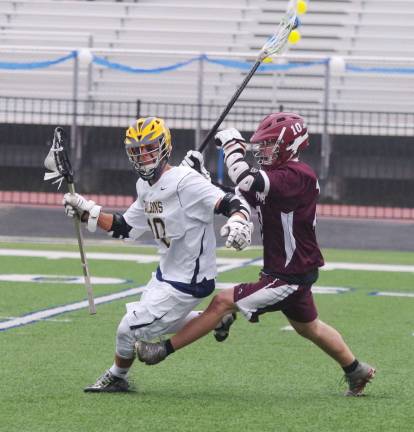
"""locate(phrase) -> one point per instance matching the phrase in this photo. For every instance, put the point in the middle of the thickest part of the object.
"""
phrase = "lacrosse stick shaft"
(229, 106)
(275, 45)
(85, 268)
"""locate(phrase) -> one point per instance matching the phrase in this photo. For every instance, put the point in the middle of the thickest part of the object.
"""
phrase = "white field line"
(80, 280)
(315, 289)
(46, 314)
(141, 258)
(222, 262)
(41, 315)
(369, 267)
(287, 328)
(58, 320)
(392, 294)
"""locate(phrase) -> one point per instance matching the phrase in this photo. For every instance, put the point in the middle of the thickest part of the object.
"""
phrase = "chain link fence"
(364, 159)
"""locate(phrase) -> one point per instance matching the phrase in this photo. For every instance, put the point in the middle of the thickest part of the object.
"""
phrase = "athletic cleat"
(358, 379)
(221, 332)
(108, 383)
(150, 353)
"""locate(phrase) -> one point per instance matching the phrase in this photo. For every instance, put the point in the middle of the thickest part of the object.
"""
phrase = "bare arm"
(105, 221)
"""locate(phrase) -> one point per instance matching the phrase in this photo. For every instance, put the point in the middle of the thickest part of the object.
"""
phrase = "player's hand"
(238, 231)
(195, 160)
(76, 204)
(232, 143)
(87, 210)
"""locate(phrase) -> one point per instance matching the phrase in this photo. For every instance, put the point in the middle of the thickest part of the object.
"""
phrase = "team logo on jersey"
(153, 207)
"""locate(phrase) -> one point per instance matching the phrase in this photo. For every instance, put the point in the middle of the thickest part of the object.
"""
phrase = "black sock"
(350, 368)
(168, 345)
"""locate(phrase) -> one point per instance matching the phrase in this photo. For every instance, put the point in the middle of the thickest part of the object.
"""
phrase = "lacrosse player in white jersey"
(178, 205)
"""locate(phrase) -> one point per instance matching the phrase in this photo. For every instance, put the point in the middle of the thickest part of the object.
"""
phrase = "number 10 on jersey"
(157, 226)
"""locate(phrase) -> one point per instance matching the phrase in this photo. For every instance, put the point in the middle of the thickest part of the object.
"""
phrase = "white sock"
(118, 372)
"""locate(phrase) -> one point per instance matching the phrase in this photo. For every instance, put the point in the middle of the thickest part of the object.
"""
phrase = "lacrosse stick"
(275, 45)
(57, 161)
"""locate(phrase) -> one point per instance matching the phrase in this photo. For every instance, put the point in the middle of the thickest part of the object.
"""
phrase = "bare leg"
(175, 328)
(206, 322)
(326, 338)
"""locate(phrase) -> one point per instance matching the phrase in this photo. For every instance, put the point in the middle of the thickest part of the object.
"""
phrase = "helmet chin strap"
(157, 173)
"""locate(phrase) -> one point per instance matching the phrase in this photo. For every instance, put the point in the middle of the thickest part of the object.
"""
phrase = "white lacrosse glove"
(195, 160)
(76, 204)
(232, 143)
(238, 231)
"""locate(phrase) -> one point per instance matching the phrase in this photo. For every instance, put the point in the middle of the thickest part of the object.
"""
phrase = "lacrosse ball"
(267, 60)
(294, 37)
(302, 7)
(84, 57)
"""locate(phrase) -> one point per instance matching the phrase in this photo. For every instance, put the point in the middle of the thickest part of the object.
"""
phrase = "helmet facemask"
(148, 160)
(148, 147)
(266, 152)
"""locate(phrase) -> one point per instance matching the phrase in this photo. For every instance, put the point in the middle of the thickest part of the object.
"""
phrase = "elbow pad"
(119, 228)
(231, 204)
(248, 179)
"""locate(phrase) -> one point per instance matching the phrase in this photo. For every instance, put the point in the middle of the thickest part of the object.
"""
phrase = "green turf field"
(261, 379)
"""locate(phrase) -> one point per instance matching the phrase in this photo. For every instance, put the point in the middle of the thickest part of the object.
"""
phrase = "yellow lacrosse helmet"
(148, 146)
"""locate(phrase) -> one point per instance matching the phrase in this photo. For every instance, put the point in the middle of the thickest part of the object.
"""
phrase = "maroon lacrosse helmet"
(279, 138)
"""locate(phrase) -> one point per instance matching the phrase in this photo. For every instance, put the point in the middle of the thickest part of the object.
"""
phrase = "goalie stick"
(275, 45)
(57, 161)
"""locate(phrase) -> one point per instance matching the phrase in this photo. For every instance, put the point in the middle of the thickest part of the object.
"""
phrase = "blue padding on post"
(263, 67)
(124, 68)
(384, 70)
(243, 65)
(37, 65)
(235, 64)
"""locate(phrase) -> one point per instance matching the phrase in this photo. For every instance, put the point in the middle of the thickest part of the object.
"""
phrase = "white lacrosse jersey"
(179, 210)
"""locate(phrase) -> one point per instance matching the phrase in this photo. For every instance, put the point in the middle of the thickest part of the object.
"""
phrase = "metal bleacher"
(122, 26)
(353, 29)
(365, 33)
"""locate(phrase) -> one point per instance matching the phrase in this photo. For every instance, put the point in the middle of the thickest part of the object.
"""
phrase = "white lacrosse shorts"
(159, 311)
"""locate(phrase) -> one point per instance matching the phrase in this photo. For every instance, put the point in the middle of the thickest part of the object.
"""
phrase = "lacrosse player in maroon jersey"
(284, 191)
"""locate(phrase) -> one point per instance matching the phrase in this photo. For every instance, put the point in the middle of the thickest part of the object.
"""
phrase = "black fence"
(363, 158)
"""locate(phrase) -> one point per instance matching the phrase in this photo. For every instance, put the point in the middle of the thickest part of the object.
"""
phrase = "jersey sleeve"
(135, 217)
(198, 197)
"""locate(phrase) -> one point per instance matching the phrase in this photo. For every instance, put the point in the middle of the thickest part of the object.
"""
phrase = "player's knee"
(223, 302)
(125, 340)
(308, 330)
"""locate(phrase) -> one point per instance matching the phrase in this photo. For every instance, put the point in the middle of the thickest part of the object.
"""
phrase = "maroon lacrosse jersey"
(287, 216)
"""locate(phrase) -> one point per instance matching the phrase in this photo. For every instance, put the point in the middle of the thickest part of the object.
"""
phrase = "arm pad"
(119, 228)
(224, 188)
(231, 204)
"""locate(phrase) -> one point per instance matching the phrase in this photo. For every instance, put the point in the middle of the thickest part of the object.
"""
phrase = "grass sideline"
(260, 379)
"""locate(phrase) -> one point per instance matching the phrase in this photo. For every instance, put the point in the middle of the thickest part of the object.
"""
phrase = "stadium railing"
(369, 173)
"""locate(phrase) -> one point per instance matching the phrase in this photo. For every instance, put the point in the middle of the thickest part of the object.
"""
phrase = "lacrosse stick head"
(278, 42)
(57, 161)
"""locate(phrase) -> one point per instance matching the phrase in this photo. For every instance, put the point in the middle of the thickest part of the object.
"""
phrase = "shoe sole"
(105, 391)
